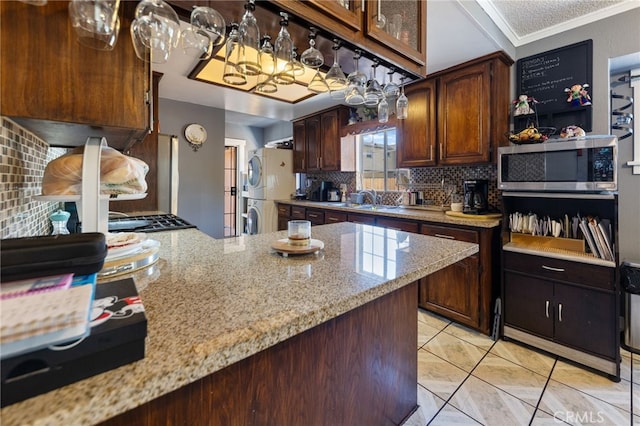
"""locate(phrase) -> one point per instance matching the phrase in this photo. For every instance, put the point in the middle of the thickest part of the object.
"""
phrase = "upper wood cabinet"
(394, 31)
(316, 141)
(417, 133)
(457, 116)
(64, 91)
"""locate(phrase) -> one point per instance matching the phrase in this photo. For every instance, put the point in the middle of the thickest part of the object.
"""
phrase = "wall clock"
(196, 135)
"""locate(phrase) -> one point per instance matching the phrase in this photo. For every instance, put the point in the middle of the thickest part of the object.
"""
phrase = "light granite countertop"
(210, 303)
(401, 212)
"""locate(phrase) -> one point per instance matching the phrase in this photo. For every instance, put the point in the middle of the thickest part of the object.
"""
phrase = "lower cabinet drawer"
(298, 212)
(316, 217)
(400, 225)
(450, 233)
(561, 270)
(333, 217)
(284, 210)
(362, 218)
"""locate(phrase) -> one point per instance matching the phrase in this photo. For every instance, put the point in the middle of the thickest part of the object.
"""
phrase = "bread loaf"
(119, 174)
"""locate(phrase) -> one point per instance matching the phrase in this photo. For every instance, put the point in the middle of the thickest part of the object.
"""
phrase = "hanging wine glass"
(211, 21)
(298, 68)
(233, 53)
(155, 31)
(283, 52)
(383, 110)
(312, 57)
(373, 92)
(268, 66)
(318, 84)
(402, 104)
(357, 82)
(391, 90)
(249, 35)
(335, 78)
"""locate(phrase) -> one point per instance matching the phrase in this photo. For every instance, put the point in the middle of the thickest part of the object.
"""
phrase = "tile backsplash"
(22, 163)
(427, 179)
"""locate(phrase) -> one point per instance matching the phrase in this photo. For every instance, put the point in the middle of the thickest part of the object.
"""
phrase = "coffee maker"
(476, 196)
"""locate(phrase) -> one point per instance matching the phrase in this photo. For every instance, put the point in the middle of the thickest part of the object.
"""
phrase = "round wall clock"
(196, 135)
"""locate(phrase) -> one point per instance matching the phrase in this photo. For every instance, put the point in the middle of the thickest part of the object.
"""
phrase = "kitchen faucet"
(373, 194)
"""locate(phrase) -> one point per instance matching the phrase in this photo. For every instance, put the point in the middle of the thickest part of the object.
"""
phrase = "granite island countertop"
(211, 303)
(417, 213)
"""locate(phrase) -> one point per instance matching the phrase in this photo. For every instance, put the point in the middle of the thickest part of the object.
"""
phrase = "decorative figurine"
(572, 132)
(578, 95)
(523, 106)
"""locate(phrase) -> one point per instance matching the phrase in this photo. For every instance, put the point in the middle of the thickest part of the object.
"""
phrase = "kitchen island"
(238, 334)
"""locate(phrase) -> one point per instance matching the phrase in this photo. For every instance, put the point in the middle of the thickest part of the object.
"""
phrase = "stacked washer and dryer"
(270, 177)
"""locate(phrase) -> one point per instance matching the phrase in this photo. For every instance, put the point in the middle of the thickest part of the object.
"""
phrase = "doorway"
(234, 159)
(230, 190)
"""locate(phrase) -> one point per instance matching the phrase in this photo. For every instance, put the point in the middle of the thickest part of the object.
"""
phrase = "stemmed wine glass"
(391, 89)
(312, 57)
(383, 110)
(402, 104)
(372, 93)
(249, 36)
(268, 65)
(283, 52)
(357, 82)
(335, 78)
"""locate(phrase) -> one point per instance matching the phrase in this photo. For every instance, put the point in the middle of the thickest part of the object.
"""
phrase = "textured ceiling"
(523, 21)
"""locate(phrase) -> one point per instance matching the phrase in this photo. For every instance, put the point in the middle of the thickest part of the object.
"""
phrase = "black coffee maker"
(476, 196)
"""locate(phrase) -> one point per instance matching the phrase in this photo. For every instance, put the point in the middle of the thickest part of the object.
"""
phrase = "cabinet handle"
(431, 152)
(363, 2)
(379, 10)
(546, 308)
(549, 268)
(560, 312)
(441, 150)
(444, 236)
(313, 215)
(333, 219)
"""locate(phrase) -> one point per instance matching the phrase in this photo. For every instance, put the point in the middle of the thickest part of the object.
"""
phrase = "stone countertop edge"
(202, 316)
(400, 213)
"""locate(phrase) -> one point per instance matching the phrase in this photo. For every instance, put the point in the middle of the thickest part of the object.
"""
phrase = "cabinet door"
(417, 133)
(314, 139)
(585, 319)
(528, 304)
(464, 115)
(53, 81)
(453, 292)
(399, 25)
(330, 142)
(348, 12)
(299, 147)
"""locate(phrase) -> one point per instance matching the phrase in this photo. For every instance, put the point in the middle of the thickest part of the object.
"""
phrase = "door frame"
(241, 162)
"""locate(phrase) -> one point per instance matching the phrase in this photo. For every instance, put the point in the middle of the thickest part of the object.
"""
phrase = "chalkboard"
(546, 75)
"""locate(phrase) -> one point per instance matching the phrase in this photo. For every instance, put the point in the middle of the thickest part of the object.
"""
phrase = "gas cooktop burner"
(148, 223)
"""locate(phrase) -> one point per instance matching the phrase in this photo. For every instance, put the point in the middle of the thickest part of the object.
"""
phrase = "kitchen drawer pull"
(333, 219)
(560, 312)
(546, 308)
(444, 236)
(313, 215)
(549, 268)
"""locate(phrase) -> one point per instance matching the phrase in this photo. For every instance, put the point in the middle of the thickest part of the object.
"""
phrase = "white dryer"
(270, 174)
(262, 216)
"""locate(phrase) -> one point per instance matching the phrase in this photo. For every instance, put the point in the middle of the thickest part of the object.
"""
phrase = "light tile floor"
(465, 378)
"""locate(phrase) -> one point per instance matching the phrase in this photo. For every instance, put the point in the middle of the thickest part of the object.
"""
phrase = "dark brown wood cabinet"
(562, 301)
(457, 116)
(458, 291)
(316, 141)
(331, 216)
(65, 92)
(358, 23)
(417, 136)
(569, 303)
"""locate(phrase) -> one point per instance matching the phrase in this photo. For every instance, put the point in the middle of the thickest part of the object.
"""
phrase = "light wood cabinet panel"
(64, 91)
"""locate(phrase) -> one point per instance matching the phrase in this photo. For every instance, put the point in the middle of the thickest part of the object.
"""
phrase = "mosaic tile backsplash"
(22, 163)
(427, 179)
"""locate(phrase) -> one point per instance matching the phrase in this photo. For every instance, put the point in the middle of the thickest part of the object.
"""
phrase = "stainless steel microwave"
(585, 164)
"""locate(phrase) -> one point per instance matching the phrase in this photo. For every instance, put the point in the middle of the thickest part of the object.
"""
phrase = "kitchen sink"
(375, 208)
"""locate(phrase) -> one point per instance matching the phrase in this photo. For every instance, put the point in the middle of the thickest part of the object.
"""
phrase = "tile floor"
(465, 378)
